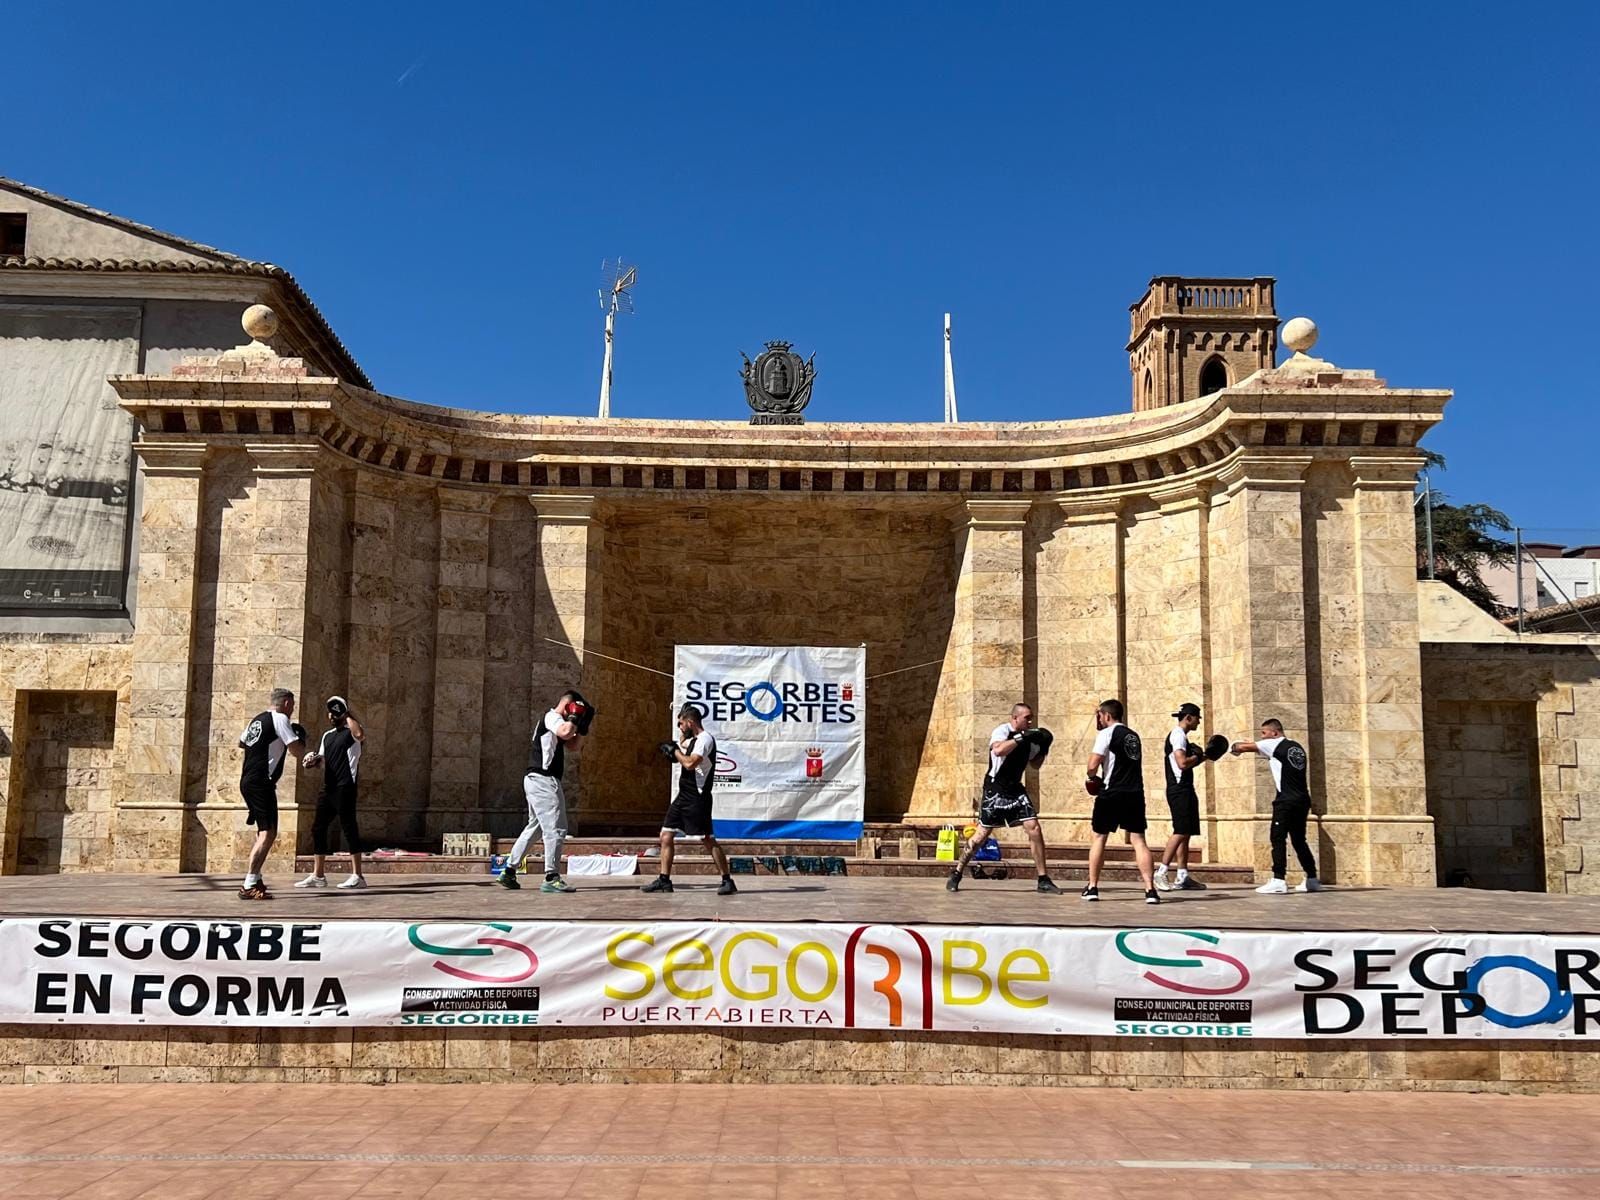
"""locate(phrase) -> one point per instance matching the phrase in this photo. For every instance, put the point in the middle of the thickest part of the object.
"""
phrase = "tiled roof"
(221, 263)
(1570, 614)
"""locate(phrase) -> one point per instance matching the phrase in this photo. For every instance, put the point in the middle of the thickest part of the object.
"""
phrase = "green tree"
(1464, 543)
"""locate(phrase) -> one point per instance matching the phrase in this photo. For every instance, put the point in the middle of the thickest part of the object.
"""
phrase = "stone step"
(1116, 869)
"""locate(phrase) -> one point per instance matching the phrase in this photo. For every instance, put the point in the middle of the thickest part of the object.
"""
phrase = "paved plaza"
(184, 1142)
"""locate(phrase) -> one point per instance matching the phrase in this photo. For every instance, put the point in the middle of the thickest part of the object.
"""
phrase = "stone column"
(1399, 834)
(149, 827)
(568, 612)
(455, 801)
(983, 674)
(1079, 588)
(1258, 634)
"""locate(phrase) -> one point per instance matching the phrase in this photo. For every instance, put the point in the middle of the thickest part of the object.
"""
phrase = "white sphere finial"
(1300, 334)
(260, 322)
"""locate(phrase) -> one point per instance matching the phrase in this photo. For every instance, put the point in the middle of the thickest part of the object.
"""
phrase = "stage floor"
(766, 899)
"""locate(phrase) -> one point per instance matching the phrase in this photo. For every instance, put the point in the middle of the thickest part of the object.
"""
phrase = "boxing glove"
(582, 718)
(1192, 755)
(1093, 785)
(1042, 738)
(668, 751)
(1022, 736)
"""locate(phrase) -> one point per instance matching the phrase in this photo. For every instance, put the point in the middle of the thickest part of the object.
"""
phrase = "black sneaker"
(725, 888)
(1048, 886)
(1090, 893)
(660, 884)
(1151, 896)
(953, 884)
(1191, 884)
(508, 879)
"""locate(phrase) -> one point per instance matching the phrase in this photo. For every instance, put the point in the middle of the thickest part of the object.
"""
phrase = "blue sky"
(445, 180)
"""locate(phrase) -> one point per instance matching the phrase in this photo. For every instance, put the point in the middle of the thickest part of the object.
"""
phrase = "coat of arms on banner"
(777, 385)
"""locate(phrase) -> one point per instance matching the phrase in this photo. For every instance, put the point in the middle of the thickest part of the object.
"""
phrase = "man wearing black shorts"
(267, 740)
(1183, 802)
(1290, 809)
(1013, 748)
(694, 763)
(338, 754)
(1116, 781)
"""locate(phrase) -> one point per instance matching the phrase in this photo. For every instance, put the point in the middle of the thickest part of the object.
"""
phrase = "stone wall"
(66, 798)
(43, 1054)
(1513, 760)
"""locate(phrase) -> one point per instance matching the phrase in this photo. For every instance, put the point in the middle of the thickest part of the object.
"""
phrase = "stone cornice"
(1132, 454)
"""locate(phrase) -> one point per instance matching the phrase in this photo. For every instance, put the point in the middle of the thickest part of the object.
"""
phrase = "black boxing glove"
(1093, 785)
(1193, 756)
(668, 751)
(1043, 739)
(1022, 736)
(299, 731)
(582, 719)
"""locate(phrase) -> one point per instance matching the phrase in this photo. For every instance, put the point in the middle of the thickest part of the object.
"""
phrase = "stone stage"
(766, 899)
(67, 1052)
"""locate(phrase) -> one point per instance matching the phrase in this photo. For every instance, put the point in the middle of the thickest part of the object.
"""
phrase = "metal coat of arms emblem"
(777, 385)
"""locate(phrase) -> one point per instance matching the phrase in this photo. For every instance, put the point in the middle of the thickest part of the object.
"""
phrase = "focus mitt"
(580, 713)
(1093, 785)
(1043, 739)
(298, 730)
(1216, 746)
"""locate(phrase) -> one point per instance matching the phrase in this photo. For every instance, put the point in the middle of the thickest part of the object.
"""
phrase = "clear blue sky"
(445, 179)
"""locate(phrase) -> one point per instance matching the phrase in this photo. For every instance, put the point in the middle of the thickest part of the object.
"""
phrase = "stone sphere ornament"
(260, 322)
(1300, 334)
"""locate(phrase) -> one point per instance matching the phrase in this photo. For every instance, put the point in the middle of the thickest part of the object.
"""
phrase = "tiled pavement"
(771, 1143)
(856, 900)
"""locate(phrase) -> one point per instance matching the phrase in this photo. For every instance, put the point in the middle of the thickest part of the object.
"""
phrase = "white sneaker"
(1274, 887)
(312, 881)
(355, 881)
(1312, 884)
(1162, 881)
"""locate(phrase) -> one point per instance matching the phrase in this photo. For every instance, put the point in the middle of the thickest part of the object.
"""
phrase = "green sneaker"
(557, 885)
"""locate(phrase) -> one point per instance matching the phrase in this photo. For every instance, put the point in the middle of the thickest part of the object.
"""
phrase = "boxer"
(1013, 747)
(694, 762)
(559, 728)
(267, 740)
(1290, 808)
(1183, 803)
(1116, 781)
(338, 754)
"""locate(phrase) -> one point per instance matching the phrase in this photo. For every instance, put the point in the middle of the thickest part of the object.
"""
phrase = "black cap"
(1187, 710)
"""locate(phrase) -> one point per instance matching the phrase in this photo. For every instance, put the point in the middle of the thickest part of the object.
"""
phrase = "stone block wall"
(1513, 761)
(109, 1054)
(66, 799)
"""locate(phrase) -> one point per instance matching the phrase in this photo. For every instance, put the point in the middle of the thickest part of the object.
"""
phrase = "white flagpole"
(949, 377)
(605, 371)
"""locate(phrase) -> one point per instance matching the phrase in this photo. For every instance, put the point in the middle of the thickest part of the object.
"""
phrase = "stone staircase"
(894, 851)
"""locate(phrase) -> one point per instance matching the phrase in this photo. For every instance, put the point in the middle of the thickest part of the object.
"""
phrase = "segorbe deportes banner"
(1189, 983)
(791, 730)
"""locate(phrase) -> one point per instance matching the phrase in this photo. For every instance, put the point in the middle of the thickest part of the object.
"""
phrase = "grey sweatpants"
(547, 812)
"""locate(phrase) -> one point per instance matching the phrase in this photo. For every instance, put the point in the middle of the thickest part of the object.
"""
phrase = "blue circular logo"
(777, 702)
(1556, 1007)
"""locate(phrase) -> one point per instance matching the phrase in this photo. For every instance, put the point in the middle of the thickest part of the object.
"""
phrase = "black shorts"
(689, 815)
(1185, 809)
(996, 810)
(1118, 810)
(261, 799)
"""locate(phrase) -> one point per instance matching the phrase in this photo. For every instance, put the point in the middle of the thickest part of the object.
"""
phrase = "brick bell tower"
(1192, 337)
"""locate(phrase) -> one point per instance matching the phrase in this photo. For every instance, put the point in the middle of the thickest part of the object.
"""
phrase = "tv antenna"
(616, 282)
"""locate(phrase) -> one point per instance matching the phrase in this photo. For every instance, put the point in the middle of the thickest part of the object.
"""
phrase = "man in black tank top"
(1116, 781)
(267, 740)
(1183, 802)
(1291, 808)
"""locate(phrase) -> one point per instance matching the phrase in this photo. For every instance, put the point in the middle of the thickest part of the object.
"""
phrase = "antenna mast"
(616, 280)
(949, 377)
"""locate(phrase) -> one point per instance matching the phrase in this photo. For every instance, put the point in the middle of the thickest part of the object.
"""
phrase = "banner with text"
(791, 730)
(1192, 983)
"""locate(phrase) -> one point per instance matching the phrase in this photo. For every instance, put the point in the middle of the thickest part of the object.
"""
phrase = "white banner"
(791, 730)
(1211, 984)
